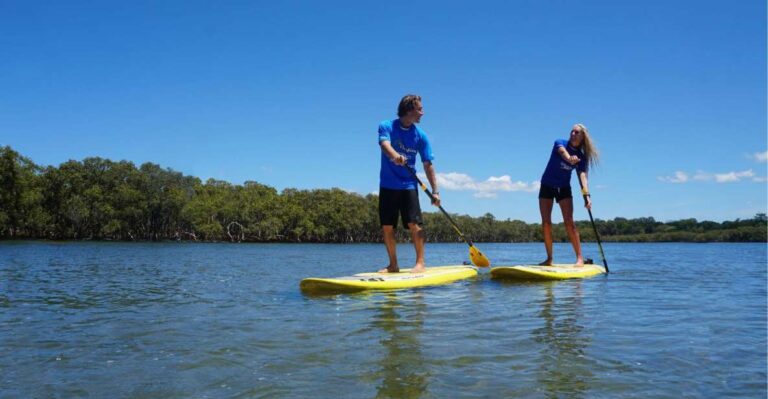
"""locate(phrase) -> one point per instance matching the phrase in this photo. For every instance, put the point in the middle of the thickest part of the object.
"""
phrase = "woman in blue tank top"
(577, 152)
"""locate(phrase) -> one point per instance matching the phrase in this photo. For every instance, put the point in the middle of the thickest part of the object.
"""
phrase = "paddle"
(477, 257)
(599, 244)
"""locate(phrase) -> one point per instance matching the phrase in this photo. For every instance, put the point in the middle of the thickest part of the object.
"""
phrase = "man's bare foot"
(579, 262)
(547, 262)
(390, 269)
(418, 269)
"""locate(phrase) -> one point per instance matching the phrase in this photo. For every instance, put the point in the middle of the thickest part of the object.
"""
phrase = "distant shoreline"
(102, 200)
(405, 240)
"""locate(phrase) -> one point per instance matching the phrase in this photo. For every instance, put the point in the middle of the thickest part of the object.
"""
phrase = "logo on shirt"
(399, 146)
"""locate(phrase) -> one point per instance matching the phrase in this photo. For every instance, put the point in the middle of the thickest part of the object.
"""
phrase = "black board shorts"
(558, 193)
(404, 203)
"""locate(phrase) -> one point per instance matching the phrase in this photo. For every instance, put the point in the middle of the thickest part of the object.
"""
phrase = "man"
(400, 140)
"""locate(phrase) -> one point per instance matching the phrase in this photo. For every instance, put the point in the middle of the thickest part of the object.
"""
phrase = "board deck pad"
(434, 275)
(554, 272)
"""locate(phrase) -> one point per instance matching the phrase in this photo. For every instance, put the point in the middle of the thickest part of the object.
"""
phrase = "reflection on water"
(563, 369)
(402, 370)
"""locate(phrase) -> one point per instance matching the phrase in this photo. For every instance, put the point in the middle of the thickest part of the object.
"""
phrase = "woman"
(580, 152)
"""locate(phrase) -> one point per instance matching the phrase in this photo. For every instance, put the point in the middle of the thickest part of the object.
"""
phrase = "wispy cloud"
(679, 177)
(484, 189)
(760, 156)
(702, 176)
(733, 176)
(485, 194)
(726, 177)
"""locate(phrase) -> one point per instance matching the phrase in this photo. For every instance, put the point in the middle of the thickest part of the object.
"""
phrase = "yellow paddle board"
(435, 275)
(554, 272)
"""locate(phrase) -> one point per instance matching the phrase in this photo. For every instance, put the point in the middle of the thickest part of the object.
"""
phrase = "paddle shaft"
(594, 228)
(432, 198)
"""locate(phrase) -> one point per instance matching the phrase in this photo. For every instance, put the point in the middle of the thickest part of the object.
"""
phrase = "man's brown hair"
(407, 104)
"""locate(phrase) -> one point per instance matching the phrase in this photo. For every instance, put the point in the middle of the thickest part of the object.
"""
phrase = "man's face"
(416, 113)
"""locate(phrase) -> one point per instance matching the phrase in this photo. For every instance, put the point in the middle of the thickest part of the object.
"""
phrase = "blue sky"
(290, 94)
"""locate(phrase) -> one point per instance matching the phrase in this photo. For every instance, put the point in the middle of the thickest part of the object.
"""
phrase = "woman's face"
(577, 136)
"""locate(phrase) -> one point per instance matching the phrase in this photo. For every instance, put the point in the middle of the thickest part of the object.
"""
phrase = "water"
(126, 320)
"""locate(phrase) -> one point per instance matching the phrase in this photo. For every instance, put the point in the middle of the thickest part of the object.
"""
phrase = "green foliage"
(105, 200)
(21, 211)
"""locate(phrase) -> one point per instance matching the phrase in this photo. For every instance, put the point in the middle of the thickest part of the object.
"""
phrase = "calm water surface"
(126, 320)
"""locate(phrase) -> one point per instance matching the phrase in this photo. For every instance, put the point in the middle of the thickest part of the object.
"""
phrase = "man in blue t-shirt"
(400, 140)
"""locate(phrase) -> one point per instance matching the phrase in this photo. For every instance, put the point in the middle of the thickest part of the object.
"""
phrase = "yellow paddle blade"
(477, 257)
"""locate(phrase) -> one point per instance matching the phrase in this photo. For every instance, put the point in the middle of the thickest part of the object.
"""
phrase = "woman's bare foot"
(547, 262)
(390, 269)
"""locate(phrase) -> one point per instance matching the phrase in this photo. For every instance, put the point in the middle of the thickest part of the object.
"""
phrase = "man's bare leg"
(391, 243)
(419, 238)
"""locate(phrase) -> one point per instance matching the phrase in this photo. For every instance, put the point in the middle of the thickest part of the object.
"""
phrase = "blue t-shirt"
(407, 142)
(558, 171)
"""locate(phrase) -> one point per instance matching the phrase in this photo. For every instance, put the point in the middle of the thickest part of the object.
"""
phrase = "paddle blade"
(477, 257)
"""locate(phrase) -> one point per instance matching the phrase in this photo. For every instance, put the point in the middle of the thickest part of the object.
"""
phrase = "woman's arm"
(571, 159)
(585, 190)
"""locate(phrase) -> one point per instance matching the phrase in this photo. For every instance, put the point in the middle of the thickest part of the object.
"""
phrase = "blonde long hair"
(588, 147)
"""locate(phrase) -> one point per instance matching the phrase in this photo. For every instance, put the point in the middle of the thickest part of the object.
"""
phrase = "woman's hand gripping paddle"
(477, 257)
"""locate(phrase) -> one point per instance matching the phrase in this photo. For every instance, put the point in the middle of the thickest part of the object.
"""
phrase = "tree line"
(99, 199)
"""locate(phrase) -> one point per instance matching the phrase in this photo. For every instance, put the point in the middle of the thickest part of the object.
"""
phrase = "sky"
(290, 94)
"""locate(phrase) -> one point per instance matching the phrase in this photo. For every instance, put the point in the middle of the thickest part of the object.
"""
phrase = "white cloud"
(760, 156)
(731, 177)
(679, 177)
(727, 177)
(760, 179)
(455, 181)
(483, 189)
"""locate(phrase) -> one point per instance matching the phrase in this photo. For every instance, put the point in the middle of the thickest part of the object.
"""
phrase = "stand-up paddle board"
(554, 272)
(434, 275)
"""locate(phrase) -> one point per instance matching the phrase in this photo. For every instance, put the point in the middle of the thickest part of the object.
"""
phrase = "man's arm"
(390, 152)
(430, 171)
